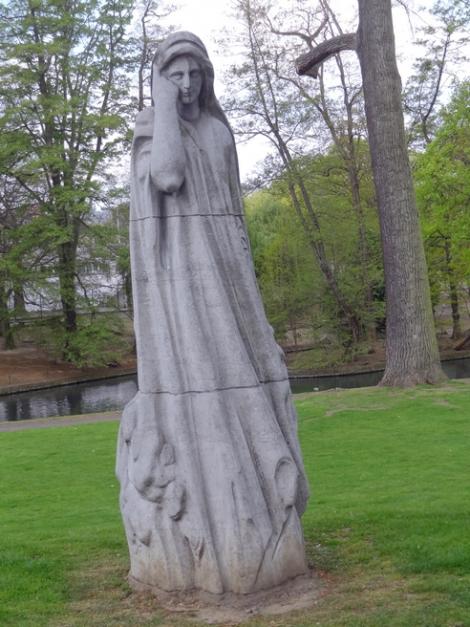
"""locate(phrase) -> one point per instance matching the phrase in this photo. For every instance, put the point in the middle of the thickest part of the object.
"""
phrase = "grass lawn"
(388, 524)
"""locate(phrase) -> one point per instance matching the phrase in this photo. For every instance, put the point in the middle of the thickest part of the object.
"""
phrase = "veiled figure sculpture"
(212, 480)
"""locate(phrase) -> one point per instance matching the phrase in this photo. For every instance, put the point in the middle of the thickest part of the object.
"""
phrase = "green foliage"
(293, 287)
(27, 244)
(64, 107)
(327, 179)
(386, 527)
(97, 342)
(442, 175)
(284, 266)
(100, 340)
(111, 237)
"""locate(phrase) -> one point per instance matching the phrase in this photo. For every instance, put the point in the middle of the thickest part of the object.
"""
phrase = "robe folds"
(212, 480)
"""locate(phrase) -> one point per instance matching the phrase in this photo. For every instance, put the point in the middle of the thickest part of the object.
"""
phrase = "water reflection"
(328, 382)
(454, 369)
(113, 394)
(80, 398)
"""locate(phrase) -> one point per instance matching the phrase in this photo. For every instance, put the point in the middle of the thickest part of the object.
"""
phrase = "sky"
(205, 18)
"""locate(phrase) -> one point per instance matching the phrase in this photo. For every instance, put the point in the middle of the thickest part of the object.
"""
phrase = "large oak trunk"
(411, 346)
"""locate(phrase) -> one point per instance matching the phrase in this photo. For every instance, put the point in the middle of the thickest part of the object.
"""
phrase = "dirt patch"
(230, 609)
(442, 402)
(28, 366)
(101, 596)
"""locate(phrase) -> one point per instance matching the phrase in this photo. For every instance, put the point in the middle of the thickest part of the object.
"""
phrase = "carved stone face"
(185, 73)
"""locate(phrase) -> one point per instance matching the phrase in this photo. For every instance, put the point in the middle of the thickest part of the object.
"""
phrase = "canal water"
(113, 394)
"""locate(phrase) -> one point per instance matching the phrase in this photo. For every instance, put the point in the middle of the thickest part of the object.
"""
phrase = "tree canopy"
(442, 175)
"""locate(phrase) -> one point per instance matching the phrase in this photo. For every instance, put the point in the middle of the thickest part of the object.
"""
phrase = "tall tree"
(64, 100)
(27, 253)
(412, 354)
(341, 110)
(265, 104)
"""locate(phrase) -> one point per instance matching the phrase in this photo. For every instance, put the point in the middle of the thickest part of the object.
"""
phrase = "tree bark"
(67, 272)
(128, 292)
(5, 327)
(310, 62)
(19, 299)
(412, 354)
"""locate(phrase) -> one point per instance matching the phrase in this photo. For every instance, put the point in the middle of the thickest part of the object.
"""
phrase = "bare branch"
(437, 87)
(309, 63)
(309, 39)
(331, 16)
(405, 6)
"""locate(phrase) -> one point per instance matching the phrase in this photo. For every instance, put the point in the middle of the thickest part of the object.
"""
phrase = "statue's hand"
(163, 90)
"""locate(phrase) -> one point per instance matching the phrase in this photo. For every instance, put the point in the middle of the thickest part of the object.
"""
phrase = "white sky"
(206, 17)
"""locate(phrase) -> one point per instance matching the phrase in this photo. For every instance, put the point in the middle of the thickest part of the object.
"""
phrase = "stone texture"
(212, 481)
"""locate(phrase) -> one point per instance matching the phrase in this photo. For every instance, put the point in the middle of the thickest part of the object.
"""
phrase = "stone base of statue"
(210, 491)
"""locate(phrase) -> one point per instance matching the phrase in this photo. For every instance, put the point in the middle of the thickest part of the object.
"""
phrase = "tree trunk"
(363, 246)
(412, 354)
(68, 297)
(454, 304)
(5, 327)
(453, 293)
(349, 320)
(128, 291)
(19, 300)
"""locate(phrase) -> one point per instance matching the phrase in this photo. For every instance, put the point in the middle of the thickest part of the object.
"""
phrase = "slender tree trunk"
(294, 332)
(19, 300)
(412, 354)
(311, 227)
(128, 291)
(144, 53)
(363, 245)
(454, 304)
(67, 272)
(453, 293)
(348, 152)
(6, 330)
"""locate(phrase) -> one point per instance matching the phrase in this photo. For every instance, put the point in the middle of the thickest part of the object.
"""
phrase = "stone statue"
(212, 481)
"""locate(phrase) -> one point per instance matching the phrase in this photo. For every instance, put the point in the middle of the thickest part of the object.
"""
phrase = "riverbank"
(27, 369)
(371, 360)
(30, 368)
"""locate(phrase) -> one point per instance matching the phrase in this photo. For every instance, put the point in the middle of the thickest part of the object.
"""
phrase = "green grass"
(387, 528)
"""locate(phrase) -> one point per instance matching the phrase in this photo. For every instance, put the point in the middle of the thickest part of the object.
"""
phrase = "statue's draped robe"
(212, 482)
